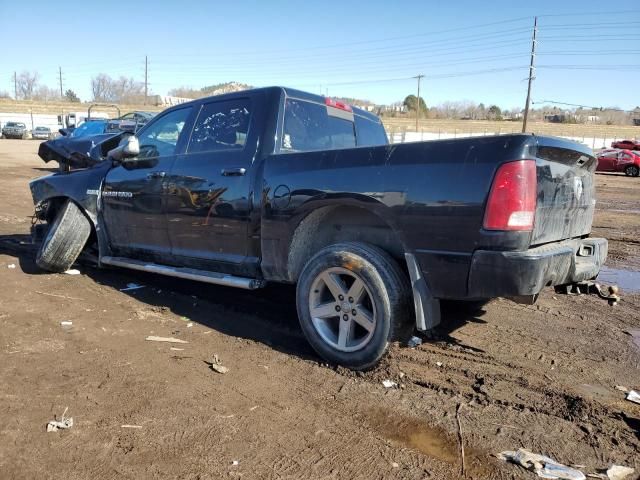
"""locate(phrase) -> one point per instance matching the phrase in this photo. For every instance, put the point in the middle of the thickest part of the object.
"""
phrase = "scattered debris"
(219, 368)
(462, 464)
(610, 294)
(618, 472)
(633, 396)
(216, 365)
(395, 465)
(131, 286)
(130, 426)
(184, 319)
(72, 271)
(58, 296)
(63, 424)
(189, 325)
(152, 338)
(253, 408)
(439, 364)
(389, 384)
(544, 467)
(66, 323)
(176, 349)
(235, 462)
(622, 389)
(11, 265)
(414, 342)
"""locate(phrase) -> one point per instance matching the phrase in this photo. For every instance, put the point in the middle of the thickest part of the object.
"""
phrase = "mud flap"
(427, 308)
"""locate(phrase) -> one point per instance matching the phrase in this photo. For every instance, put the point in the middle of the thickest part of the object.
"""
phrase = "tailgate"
(566, 190)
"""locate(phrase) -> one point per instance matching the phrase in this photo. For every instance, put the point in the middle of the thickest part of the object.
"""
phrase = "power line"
(575, 14)
(602, 67)
(582, 106)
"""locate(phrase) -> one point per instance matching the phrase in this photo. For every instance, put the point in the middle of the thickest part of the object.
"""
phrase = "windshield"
(88, 128)
(14, 124)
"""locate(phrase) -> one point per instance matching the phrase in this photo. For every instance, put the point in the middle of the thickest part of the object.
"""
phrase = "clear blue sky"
(589, 52)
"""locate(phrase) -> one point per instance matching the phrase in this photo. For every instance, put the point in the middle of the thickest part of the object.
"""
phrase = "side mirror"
(130, 148)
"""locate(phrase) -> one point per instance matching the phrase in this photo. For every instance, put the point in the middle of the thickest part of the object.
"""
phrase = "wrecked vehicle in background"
(89, 143)
(130, 122)
(79, 152)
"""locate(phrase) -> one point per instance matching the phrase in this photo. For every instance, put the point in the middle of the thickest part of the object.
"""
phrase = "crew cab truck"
(278, 185)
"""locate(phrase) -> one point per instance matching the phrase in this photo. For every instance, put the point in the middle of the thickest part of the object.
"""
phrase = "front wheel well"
(46, 211)
(334, 224)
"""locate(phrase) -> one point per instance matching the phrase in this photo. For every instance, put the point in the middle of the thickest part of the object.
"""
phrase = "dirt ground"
(541, 377)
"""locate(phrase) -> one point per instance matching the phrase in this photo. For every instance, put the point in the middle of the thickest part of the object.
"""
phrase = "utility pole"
(531, 70)
(419, 77)
(60, 76)
(146, 78)
(15, 85)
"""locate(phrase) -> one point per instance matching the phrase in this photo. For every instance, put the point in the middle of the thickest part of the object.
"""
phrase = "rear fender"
(281, 233)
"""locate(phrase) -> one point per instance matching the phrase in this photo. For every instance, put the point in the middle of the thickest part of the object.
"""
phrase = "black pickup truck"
(278, 185)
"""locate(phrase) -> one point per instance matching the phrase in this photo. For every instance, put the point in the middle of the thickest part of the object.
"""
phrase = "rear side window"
(308, 126)
(221, 126)
(370, 133)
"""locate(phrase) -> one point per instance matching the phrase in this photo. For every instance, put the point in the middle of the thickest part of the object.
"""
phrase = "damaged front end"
(81, 152)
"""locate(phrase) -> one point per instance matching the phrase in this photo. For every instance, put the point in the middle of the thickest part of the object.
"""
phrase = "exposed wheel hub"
(342, 309)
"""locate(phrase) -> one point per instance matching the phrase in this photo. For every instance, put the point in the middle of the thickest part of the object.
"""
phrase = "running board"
(186, 273)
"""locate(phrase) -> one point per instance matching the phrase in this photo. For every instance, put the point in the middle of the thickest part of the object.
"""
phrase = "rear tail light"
(512, 199)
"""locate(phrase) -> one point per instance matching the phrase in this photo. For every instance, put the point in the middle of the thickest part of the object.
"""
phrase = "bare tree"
(26, 83)
(127, 90)
(46, 94)
(123, 89)
(101, 87)
(185, 92)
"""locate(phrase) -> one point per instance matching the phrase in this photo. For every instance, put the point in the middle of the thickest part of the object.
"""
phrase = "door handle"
(156, 175)
(233, 172)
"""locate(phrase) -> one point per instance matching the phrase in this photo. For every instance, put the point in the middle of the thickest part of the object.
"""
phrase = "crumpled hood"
(81, 152)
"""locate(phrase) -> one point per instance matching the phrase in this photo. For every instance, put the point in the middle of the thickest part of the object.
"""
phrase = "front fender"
(81, 186)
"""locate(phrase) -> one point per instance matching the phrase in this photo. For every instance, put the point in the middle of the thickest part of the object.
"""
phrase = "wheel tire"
(64, 240)
(385, 299)
(632, 171)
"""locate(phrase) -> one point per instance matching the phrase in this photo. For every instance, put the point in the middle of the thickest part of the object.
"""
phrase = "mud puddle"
(627, 280)
(427, 439)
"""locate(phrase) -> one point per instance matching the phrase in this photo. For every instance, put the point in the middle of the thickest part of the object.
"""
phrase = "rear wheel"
(632, 171)
(353, 299)
(64, 240)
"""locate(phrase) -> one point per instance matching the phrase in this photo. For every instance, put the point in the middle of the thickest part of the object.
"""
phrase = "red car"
(626, 144)
(619, 161)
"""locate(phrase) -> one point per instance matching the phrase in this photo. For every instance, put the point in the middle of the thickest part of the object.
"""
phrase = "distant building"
(168, 100)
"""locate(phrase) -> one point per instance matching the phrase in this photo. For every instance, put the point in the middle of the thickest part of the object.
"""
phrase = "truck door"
(209, 188)
(133, 194)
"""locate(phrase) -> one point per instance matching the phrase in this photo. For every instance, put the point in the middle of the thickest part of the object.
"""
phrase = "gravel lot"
(541, 377)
